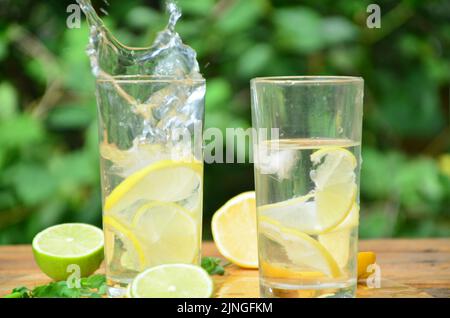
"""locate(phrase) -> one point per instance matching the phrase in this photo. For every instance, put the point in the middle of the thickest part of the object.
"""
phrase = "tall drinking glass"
(151, 162)
(307, 162)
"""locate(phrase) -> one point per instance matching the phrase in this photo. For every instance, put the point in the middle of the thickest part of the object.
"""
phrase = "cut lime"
(172, 281)
(59, 246)
(167, 180)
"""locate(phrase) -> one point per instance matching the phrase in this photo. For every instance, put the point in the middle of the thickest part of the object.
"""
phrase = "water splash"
(167, 56)
(143, 94)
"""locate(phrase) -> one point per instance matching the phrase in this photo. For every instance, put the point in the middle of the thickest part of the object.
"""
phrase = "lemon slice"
(168, 233)
(134, 257)
(335, 186)
(337, 241)
(298, 213)
(334, 165)
(331, 200)
(274, 270)
(172, 281)
(234, 230)
(302, 250)
(167, 180)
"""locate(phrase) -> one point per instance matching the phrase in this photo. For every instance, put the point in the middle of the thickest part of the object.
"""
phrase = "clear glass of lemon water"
(307, 162)
(151, 173)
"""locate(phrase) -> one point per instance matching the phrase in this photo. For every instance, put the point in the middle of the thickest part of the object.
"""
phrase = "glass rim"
(149, 79)
(308, 79)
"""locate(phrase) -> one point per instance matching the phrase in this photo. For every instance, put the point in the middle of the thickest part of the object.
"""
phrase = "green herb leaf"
(56, 290)
(213, 265)
(19, 292)
(94, 281)
(92, 287)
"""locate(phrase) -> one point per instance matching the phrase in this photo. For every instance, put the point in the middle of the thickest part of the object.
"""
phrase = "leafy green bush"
(48, 136)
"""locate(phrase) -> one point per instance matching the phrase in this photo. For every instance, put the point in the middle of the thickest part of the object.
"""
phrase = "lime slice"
(234, 230)
(59, 246)
(167, 233)
(167, 180)
(303, 251)
(337, 240)
(172, 281)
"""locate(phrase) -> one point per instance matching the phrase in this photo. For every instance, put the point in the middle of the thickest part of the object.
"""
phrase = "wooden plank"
(409, 268)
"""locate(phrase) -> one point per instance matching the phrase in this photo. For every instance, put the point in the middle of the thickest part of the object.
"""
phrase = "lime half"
(172, 281)
(59, 246)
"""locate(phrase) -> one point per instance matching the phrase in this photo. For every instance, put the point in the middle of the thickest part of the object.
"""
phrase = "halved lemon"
(166, 180)
(303, 251)
(234, 230)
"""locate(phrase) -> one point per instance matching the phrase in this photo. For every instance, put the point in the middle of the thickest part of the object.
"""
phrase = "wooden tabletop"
(409, 268)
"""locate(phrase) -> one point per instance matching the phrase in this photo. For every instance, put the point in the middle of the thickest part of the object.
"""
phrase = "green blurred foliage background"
(48, 135)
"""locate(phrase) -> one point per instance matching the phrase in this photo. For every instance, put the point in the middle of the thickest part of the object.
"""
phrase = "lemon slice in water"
(133, 257)
(337, 240)
(167, 180)
(331, 200)
(304, 252)
(168, 233)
